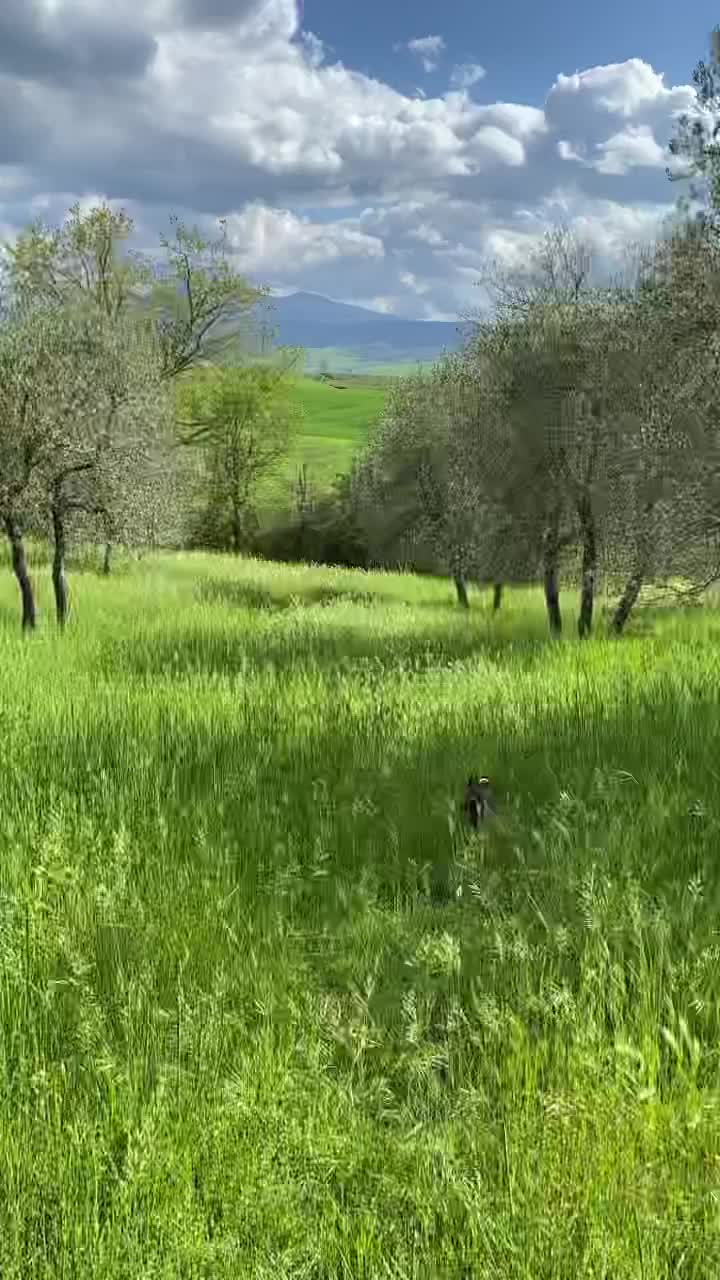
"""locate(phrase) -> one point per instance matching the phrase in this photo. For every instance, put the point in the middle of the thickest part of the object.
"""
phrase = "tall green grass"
(267, 1010)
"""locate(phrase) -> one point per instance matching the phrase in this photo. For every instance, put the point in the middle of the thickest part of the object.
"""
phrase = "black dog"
(478, 800)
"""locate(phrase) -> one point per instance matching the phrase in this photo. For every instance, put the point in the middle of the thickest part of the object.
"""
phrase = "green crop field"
(268, 1010)
(336, 419)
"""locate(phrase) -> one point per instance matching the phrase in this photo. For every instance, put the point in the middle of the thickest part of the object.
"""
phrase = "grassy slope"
(265, 1013)
(336, 423)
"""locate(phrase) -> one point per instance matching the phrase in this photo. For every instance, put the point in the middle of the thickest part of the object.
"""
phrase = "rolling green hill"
(337, 417)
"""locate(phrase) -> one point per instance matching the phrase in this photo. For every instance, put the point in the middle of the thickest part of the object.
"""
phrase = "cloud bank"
(329, 179)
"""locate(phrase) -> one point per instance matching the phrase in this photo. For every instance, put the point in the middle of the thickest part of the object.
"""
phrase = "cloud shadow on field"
(380, 803)
(343, 645)
(247, 595)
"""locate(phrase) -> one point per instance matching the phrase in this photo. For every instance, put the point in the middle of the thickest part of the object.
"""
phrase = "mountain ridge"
(313, 321)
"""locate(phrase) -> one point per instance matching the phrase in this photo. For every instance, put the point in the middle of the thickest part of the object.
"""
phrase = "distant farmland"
(337, 418)
(339, 360)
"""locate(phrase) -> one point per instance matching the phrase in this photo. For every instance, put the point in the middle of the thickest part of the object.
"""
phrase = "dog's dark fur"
(478, 801)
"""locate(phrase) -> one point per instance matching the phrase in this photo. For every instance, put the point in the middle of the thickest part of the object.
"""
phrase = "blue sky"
(379, 152)
(522, 44)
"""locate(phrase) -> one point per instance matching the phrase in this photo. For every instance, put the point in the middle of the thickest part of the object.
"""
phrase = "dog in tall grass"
(479, 803)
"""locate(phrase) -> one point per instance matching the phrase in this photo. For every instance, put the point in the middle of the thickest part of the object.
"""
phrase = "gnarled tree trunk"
(20, 569)
(628, 600)
(497, 596)
(59, 580)
(551, 572)
(589, 566)
(634, 584)
(461, 588)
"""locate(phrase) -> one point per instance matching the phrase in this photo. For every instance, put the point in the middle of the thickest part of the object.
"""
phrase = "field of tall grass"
(268, 1010)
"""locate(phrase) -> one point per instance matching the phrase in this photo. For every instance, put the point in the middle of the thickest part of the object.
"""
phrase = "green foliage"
(189, 303)
(696, 137)
(243, 420)
(87, 425)
(332, 428)
(79, 260)
(324, 528)
(83, 410)
(578, 421)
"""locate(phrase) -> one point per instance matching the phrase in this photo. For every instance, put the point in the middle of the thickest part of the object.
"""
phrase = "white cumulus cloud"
(466, 74)
(330, 179)
(428, 49)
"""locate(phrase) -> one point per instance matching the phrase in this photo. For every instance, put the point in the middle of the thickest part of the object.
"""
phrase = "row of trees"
(575, 434)
(580, 424)
(578, 430)
(121, 417)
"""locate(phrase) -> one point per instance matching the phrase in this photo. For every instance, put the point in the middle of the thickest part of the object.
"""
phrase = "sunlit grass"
(266, 1010)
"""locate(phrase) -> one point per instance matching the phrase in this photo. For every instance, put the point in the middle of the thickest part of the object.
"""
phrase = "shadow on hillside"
(246, 595)
(382, 803)
(250, 595)
(333, 856)
(341, 646)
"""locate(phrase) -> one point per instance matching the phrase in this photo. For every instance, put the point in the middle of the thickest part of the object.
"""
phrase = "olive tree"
(196, 304)
(664, 381)
(193, 296)
(415, 492)
(544, 336)
(102, 417)
(25, 340)
(608, 392)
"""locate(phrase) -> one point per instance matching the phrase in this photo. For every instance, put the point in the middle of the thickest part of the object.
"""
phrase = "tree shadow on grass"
(337, 877)
(10, 618)
(247, 595)
(340, 645)
(242, 595)
(355, 820)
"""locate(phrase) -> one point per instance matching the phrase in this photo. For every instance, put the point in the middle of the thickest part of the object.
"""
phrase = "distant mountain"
(339, 332)
(309, 320)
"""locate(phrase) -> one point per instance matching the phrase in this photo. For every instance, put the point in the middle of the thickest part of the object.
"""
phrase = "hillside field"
(337, 418)
(268, 1010)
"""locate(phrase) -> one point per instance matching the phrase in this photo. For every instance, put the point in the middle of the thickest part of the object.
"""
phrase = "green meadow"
(269, 1010)
(336, 419)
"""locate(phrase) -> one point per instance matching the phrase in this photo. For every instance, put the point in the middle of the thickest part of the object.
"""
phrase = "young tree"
(414, 490)
(243, 420)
